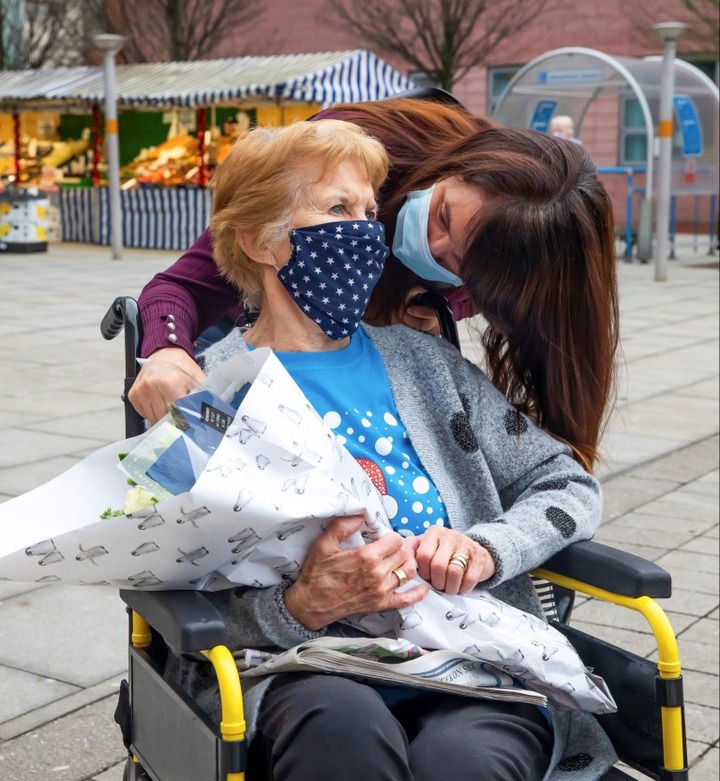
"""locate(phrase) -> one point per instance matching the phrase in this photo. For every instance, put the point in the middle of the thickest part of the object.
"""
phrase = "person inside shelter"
(563, 126)
(482, 494)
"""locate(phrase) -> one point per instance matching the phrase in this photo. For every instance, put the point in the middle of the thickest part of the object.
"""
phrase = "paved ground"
(62, 652)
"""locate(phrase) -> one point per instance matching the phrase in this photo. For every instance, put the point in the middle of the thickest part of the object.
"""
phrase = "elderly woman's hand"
(434, 552)
(166, 376)
(335, 583)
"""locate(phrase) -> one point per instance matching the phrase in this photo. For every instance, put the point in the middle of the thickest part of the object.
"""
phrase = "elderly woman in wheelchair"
(478, 494)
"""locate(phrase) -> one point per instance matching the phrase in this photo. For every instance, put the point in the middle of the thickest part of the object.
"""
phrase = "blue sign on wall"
(570, 76)
(542, 115)
(689, 125)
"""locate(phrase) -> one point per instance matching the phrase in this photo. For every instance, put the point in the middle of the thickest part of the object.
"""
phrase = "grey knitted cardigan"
(505, 483)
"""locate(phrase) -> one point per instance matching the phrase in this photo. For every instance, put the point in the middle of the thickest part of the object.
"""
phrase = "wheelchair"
(169, 738)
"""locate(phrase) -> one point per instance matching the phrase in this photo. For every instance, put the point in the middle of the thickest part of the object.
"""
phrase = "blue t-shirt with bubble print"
(351, 391)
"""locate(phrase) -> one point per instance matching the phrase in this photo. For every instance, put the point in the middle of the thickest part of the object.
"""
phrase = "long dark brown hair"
(410, 129)
(540, 266)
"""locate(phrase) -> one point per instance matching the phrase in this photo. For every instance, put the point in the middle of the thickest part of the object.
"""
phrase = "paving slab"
(660, 524)
(630, 492)
(707, 389)
(25, 446)
(707, 767)
(693, 603)
(36, 719)
(16, 480)
(696, 657)
(77, 747)
(608, 614)
(701, 723)
(702, 689)
(23, 691)
(114, 773)
(617, 533)
(640, 643)
(697, 461)
(106, 425)
(691, 560)
(622, 447)
(72, 633)
(672, 416)
(56, 403)
(706, 632)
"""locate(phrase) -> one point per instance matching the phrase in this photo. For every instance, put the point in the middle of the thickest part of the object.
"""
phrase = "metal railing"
(630, 192)
(712, 224)
(630, 233)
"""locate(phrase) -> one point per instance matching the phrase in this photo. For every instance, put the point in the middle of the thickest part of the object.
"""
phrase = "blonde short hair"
(562, 123)
(261, 181)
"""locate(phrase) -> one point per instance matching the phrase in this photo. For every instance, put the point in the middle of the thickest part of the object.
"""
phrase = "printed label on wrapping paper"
(213, 417)
(174, 452)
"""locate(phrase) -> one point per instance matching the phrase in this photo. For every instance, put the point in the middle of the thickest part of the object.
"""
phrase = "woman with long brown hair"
(539, 264)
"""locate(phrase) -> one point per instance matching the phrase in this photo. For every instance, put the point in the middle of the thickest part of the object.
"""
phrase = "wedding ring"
(401, 576)
(459, 561)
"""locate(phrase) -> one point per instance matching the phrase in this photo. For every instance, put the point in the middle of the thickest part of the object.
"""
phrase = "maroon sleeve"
(179, 303)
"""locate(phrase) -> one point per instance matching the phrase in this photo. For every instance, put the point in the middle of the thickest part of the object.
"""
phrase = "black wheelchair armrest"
(187, 621)
(610, 569)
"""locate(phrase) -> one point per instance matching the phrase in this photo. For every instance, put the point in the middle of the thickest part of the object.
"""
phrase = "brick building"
(615, 27)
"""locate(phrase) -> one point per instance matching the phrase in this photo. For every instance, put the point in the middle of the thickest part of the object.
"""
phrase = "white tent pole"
(110, 45)
(669, 33)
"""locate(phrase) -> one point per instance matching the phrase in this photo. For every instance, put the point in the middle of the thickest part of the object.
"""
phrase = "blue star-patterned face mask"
(332, 272)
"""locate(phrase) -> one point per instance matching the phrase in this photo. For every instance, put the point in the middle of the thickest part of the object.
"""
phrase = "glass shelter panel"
(568, 81)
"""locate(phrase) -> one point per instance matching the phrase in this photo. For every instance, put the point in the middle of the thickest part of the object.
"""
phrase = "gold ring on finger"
(401, 576)
(459, 561)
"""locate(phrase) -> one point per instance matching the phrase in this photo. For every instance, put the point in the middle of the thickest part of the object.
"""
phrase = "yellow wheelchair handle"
(668, 664)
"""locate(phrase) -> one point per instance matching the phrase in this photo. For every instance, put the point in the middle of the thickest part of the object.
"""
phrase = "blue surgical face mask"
(410, 245)
(332, 272)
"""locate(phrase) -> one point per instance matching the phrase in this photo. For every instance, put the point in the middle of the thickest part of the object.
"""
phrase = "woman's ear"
(250, 245)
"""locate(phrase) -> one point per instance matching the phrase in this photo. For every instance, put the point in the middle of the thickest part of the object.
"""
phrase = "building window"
(708, 65)
(498, 79)
(633, 134)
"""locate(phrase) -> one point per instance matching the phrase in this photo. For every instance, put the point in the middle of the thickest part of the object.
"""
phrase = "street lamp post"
(669, 32)
(110, 45)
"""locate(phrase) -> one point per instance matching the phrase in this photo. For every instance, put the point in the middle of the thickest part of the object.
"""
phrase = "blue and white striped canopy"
(326, 78)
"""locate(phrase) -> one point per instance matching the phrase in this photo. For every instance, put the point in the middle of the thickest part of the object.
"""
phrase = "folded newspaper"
(392, 662)
(255, 486)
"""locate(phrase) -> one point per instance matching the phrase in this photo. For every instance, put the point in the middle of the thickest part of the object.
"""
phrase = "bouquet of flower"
(235, 484)
(240, 466)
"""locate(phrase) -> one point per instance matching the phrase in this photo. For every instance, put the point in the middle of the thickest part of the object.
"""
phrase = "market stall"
(165, 203)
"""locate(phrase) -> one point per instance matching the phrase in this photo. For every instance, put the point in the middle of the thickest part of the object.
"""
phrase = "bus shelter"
(568, 81)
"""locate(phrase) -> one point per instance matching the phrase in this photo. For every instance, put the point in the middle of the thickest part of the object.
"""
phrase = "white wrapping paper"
(276, 479)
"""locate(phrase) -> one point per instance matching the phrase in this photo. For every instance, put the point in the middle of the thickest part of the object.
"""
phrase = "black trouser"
(328, 728)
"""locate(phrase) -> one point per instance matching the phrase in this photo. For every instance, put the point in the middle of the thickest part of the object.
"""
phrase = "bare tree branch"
(37, 34)
(705, 13)
(702, 17)
(162, 30)
(446, 38)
